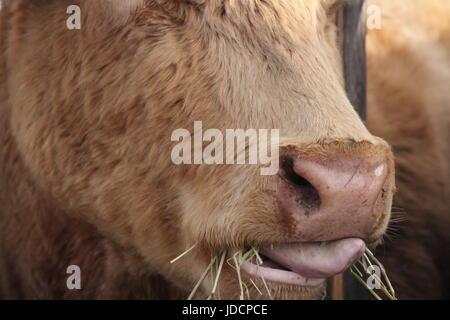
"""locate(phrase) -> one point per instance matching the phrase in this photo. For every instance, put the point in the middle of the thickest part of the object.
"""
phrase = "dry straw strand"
(183, 254)
(199, 282)
(369, 260)
(240, 258)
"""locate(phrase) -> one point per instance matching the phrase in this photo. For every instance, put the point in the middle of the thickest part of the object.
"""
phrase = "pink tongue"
(313, 260)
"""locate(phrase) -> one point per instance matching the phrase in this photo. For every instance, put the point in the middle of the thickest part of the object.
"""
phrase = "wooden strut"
(336, 287)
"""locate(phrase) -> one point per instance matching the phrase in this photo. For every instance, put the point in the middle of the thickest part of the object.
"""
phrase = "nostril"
(288, 173)
(305, 194)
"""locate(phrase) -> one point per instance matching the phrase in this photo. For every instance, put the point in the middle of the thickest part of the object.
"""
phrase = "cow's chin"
(254, 288)
(285, 292)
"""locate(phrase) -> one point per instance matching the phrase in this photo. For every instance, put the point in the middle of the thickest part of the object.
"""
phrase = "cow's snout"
(332, 195)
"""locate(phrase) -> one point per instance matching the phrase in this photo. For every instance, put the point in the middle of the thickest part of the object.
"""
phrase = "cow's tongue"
(315, 260)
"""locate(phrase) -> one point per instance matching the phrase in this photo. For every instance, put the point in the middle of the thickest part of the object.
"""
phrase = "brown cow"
(409, 106)
(86, 172)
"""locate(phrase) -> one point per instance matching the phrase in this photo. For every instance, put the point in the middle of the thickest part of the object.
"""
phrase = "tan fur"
(409, 105)
(86, 118)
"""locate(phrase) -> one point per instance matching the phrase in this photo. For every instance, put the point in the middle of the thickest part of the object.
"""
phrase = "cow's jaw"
(305, 264)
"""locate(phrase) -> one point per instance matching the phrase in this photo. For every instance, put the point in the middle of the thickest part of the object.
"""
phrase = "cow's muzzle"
(332, 205)
(337, 196)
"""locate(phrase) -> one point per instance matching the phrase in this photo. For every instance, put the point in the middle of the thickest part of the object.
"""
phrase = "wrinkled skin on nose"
(336, 195)
(334, 201)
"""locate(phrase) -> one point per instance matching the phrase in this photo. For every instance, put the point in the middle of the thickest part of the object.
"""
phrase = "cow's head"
(139, 70)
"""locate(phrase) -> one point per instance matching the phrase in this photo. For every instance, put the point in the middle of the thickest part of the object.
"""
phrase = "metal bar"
(354, 54)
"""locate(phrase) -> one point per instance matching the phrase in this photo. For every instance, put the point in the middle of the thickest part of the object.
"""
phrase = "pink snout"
(337, 197)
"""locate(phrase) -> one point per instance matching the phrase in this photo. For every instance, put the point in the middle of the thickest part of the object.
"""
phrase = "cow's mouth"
(305, 264)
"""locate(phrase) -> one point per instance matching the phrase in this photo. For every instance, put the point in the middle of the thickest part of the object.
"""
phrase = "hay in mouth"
(236, 261)
(367, 263)
(362, 270)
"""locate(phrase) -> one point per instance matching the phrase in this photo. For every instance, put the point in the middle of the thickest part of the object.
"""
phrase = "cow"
(409, 106)
(86, 173)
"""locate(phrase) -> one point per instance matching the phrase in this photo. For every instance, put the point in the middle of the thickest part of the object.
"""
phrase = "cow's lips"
(305, 264)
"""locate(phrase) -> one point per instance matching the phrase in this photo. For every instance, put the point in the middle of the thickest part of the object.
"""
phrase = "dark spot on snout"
(304, 193)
